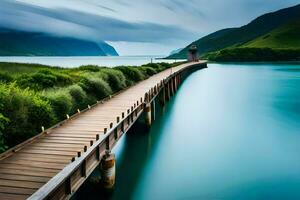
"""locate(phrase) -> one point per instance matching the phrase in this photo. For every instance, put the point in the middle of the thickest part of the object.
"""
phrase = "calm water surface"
(70, 61)
(231, 132)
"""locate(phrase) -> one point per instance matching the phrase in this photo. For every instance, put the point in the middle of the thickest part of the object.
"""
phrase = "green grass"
(254, 55)
(281, 44)
(32, 96)
(285, 37)
(17, 68)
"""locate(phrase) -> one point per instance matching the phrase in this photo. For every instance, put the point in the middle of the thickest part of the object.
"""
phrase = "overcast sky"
(134, 27)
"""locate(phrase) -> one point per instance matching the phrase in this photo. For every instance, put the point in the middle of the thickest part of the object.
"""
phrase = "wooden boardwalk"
(35, 166)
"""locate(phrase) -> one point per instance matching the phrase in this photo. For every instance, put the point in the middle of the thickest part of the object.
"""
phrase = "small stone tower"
(193, 54)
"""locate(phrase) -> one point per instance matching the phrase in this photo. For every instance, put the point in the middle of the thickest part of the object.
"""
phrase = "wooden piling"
(108, 170)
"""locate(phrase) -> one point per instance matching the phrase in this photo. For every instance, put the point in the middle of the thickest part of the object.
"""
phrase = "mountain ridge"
(237, 37)
(23, 43)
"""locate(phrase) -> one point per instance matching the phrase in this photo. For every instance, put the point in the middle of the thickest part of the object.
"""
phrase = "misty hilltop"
(21, 43)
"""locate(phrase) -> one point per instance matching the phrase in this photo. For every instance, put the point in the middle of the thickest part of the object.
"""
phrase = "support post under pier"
(153, 110)
(108, 170)
(148, 115)
(171, 87)
(162, 96)
(167, 88)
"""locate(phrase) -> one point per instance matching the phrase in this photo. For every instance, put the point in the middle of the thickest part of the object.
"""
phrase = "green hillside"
(212, 42)
(281, 44)
(281, 21)
(286, 36)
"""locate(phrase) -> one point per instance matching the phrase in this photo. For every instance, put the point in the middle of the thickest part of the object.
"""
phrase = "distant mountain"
(20, 43)
(275, 30)
(108, 49)
(175, 51)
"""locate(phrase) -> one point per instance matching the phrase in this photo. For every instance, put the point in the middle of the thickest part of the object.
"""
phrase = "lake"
(76, 61)
(232, 131)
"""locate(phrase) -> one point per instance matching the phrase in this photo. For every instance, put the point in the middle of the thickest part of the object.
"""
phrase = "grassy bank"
(32, 96)
(254, 55)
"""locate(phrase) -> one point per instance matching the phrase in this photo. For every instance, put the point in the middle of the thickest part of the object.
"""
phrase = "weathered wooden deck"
(55, 163)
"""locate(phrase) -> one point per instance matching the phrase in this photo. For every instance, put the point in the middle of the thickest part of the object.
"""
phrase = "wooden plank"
(75, 135)
(103, 123)
(65, 142)
(83, 129)
(39, 159)
(87, 133)
(16, 191)
(24, 178)
(91, 127)
(49, 152)
(42, 156)
(101, 120)
(43, 164)
(5, 196)
(27, 172)
(88, 123)
(103, 112)
(69, 138)
(22, 167)
(20, 184)
(66, 149)
(100, 115)
(69, 147)
(46, 144)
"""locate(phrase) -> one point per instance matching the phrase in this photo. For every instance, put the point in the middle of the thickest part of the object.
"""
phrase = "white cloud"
(156, 25)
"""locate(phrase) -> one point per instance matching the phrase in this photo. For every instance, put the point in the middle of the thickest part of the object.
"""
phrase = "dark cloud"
(69, 22)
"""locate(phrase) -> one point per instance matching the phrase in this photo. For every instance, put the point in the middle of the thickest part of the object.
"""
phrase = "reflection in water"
(231, 132)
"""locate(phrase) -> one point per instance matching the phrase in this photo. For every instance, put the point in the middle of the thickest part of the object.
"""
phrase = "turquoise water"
(231, 132)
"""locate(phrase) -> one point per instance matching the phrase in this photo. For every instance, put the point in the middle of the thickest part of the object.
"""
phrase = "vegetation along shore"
(32, 95)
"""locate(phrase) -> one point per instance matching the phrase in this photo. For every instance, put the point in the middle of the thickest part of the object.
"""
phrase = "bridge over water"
(54, 164)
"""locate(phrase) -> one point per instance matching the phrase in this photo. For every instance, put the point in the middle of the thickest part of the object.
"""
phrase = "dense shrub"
(62, 79)
(158, 67)
(43, 79)
(3, 122)
(60, 101)
(152, 65)
(79, 97)
(132, 74)
(5, 77)
(36, 81)
(26, 113)
(149, 71)
(40, 113)
(91, 68)
(114, 78)
(164, 65)
(96, 87)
